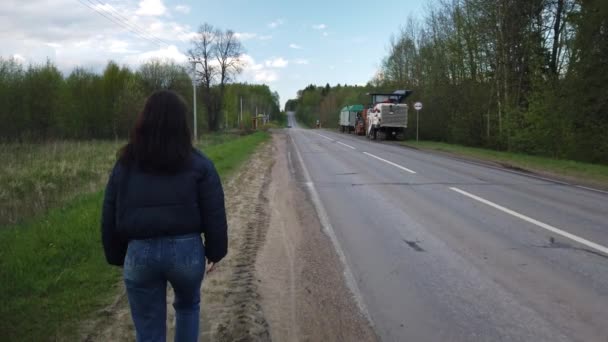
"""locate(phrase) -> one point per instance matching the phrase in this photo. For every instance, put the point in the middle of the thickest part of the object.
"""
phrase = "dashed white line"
(550, 228)
(328, 138)
(341, 143)
(390, 162)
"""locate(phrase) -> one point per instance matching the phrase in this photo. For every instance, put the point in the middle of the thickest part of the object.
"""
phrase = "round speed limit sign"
(418, 105)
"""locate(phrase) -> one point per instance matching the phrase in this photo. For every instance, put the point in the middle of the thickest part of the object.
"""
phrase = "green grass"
(53, 273)
(37, 177)
(592, 174)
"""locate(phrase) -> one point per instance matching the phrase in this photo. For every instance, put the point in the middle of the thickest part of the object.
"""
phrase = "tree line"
(323, 103)
(518, 75)
(38, 102)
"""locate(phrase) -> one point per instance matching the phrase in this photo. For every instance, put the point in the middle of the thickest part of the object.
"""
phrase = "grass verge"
(584, 173)
(52, 269)
(37, 177)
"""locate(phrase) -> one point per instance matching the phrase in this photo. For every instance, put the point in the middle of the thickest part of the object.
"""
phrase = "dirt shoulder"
(303, 292)
(281, 280)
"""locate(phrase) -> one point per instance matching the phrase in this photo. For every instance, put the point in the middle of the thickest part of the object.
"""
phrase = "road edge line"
(351, 283)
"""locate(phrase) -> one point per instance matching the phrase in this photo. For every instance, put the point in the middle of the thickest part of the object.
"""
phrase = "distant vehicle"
(318, 124)
(288, 126)
(348, 117)
(387, 115)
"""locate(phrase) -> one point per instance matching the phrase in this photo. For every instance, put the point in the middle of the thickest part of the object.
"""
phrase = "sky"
(288, 44)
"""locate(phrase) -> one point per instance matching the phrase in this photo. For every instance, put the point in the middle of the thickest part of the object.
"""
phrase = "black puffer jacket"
(190, 201)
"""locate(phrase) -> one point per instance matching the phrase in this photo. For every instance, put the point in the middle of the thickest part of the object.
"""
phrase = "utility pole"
(194, 61)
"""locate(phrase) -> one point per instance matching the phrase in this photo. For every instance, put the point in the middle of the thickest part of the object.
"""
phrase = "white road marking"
(329, 230)
(328, 138)
(341, 143)
(592, 189)
(390, 162)
(550, 228)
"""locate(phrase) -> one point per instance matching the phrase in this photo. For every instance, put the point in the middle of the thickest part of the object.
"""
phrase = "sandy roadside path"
(281, 280)
(303, 292)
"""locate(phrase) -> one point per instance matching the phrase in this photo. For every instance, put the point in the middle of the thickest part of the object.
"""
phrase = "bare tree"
(228, 54)
(218, 53)
(203, 54)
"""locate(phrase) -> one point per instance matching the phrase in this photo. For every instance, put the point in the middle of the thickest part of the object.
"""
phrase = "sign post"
(417, 107)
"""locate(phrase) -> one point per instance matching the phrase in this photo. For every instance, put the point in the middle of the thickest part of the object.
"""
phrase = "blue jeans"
(149, 264)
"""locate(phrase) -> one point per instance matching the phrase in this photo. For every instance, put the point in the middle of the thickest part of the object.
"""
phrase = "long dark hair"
(160, 140)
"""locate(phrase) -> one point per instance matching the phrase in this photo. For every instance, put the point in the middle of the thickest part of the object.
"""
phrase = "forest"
(525, 76)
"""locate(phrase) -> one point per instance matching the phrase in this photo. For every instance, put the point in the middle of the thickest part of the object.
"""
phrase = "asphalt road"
(445, 250)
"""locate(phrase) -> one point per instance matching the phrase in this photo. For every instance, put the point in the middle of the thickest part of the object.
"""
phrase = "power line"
(120, 23)
(106, 7)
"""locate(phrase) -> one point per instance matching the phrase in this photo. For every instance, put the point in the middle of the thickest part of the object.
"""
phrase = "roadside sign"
(417, 107)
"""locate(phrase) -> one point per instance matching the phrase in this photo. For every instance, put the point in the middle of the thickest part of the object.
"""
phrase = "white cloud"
(170, 53)
(245, 35)
(248, 36)
(185, 9)
(325, 34)
(266, 76)
(276, 62)
(19, 58)
(301, 61)
(151, 8)
(249, 63)
(257, 72)
(319, 27)
(295, 46)
(187, 36)
(276, 23)
(120, 47)
(75, 35)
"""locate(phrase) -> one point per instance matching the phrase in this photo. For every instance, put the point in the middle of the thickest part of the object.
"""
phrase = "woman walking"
(161, 196)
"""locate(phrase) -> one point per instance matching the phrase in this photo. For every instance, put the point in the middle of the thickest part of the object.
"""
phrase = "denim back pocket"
(137, 253)
(188, 251)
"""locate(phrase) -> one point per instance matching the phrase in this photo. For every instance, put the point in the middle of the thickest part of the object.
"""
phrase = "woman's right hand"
(210, 266)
